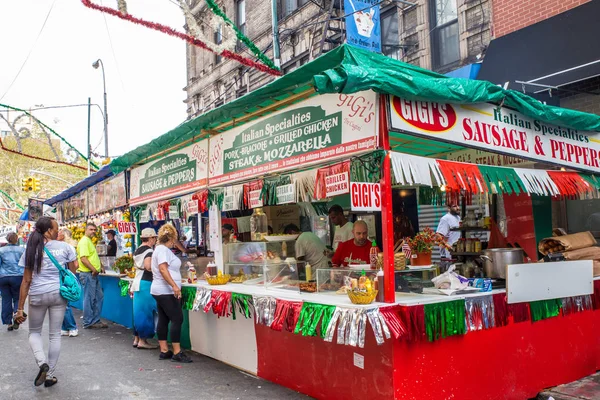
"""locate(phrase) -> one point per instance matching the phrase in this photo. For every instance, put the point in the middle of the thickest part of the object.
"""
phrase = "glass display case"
(414, 280)
(264, 264)
(331, 280)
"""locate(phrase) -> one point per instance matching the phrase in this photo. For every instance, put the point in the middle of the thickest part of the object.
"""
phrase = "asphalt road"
(102, 364)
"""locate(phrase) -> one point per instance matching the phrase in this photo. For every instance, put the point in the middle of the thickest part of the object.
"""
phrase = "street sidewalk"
(587, 388)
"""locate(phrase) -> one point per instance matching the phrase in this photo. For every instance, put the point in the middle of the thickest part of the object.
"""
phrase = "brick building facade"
(441, 35)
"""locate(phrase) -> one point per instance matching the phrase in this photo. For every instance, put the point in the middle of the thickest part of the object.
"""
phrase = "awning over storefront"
(349, 70)
(104, 173)
(555, 52)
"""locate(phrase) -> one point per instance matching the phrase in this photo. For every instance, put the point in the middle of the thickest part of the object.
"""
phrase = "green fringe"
(593, 180)
(269, 190)
(445, 319)
(124, 286)
(243, 302)
(544, 309)
(511, 183)
(431, 196)
(310, 315)
(367, 168)
(188, 295)
(321, 208)
(216, 196)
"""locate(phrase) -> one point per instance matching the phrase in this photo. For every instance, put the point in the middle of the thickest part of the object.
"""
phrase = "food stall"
(333, 128)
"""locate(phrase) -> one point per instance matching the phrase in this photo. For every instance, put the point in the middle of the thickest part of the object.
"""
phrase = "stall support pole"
(387, 215)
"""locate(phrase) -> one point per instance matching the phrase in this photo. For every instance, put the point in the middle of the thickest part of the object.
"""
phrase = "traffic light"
(27, 184)
(36, 187)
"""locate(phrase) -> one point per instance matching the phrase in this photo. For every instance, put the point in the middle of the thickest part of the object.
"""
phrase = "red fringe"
(281, 313)
(202, 198)
(462, 176)
(413, 318)
(393, 321)
(222, 303)
(519, 312)
(293, 315)
(500, 309)
(596, 295)
(322, 173)
(43, 159)
(188, 38)
(570, 183)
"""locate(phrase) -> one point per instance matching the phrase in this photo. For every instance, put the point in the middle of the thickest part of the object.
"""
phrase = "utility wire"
(30, 51)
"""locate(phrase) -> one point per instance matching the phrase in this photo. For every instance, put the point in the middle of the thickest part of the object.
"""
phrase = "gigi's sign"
(365, 196)
(497, 129)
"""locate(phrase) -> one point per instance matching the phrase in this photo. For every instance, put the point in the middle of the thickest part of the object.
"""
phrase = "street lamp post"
(96, 64)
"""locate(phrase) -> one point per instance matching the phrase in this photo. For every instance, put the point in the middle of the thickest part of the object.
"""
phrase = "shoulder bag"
(70, 288)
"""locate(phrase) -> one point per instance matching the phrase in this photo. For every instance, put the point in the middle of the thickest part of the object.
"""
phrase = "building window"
(218, 40)
(390, 40)
(289, 6)
(445, 40)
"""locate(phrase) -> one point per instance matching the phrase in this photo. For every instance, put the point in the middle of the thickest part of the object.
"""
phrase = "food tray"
(361, 297)
(280, 238)
(218, 280)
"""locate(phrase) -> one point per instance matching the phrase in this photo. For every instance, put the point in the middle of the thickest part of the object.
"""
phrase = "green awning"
(348, 70)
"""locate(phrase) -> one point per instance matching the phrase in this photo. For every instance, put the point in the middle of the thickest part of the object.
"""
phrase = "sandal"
(41, 376)
(147, 346)
(51, 382)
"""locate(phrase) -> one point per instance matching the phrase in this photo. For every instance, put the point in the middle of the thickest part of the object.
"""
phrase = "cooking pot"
(496, 260)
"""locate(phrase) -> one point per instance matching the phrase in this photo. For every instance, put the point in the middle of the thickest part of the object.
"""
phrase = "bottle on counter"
(191, 273)
(259, 225)
(373, 255)
(211, 269)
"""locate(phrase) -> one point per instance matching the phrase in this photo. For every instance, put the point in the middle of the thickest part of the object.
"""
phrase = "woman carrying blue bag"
(49, 285)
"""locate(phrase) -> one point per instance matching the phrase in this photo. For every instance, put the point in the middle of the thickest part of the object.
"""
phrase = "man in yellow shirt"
(89, 268)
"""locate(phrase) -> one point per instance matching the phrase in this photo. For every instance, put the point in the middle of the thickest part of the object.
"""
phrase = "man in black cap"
(226, 232)
(112, 243)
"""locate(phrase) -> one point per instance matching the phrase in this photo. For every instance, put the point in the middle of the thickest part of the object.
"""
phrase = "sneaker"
(166, 356)
(15, 326)
(181, 358)
(64, 333)
(73, 333)
(10, 328)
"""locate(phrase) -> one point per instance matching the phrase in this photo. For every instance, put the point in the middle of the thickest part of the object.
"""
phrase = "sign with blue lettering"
(363, 24)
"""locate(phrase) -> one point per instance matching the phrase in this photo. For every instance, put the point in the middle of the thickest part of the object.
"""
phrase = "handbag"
(70, 288)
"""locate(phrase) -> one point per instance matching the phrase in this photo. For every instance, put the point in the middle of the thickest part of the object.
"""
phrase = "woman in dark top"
(144, 305)
(112, 244)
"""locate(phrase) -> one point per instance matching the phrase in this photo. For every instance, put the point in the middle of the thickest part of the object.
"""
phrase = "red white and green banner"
(180, 172)
(320, 129)
(498, 129)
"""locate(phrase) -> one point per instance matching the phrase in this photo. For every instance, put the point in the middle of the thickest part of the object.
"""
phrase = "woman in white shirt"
(166, 289)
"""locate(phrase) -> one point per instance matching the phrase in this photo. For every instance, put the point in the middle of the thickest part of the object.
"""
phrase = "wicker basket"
(218, 280)
(361, 297)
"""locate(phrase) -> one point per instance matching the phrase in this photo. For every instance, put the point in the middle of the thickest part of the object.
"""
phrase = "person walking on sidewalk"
(89, 269)
(69, 325)
(11, 276)
(41, 282)
(166, 290)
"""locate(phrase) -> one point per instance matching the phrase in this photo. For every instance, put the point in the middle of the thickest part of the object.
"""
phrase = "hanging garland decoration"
(268, 192)
(412, 170)
(480, 313)
(570, 183)
(253, 186)
(201, 198)
(431, 196)
(592, 180)
(323, 173)
(93, 165)
(222, 303)
(203, 296)
(537, 181)
(265, 66)
(242, 303)
(519, 312)
(445, 319)
(392, 319)
(124, 287)
(194, 29)
(571, 305)
(545, 309)
(215, 197)
(351, 327)
(174, 210)
(500, 309)
(264, 309)
(282, 314)
(367, 168)
(413, 319)
(188, 296)
(309, 318)
(501, 180)
(462, 176)
(378, 324)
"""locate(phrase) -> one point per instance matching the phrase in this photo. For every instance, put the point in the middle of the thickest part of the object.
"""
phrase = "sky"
(145, 70)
